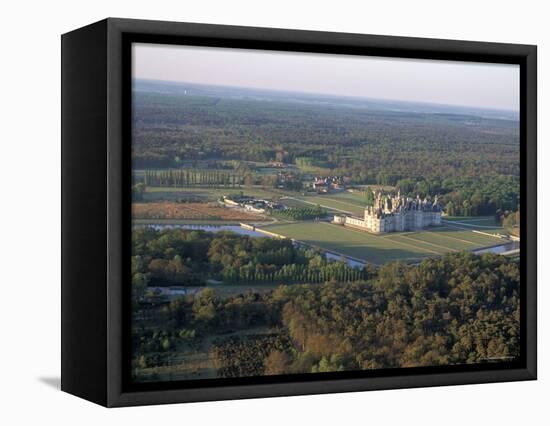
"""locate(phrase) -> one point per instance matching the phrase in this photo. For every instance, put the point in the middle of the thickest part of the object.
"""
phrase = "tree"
(450, 209)
(466, 208)
(369, 197)
(406, 186)
(277, 362)
(248, 180)
(137, 191)
(269, 181)
(280, 156)
(139, 285)
(166, 344)
(204, 307)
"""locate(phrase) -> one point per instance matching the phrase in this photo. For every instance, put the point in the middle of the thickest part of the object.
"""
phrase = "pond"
(503, 248)
(173, 292)
(211, 228)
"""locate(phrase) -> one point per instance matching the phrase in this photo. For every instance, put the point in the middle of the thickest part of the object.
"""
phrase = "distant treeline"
(190, 177)
(474, 161)
(459, 309)
(369, 146)
(509, 220)
(467, 196)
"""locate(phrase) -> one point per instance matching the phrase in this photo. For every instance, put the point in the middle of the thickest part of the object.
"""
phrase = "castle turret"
(394, 212)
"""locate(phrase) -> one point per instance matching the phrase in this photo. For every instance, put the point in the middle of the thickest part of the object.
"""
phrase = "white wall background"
(30, 211)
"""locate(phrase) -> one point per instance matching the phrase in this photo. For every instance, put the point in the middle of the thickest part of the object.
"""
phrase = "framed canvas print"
(252, 212)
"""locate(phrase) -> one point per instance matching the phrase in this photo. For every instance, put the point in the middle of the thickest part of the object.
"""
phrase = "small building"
(255, 208)
(329, 183)
(230, 202)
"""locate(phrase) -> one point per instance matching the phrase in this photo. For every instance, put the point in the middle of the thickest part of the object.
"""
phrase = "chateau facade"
(394, 214)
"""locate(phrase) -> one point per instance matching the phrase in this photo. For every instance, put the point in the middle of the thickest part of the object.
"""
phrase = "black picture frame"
(96, 140)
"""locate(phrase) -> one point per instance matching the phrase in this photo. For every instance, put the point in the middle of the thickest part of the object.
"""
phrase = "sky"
(480, 85)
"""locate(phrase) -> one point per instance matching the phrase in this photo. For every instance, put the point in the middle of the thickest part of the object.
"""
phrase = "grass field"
(338, 202)
(479, 222)
(456, 234)
(383, 248)
(472, 219)
(342, 202)
(189, 211)
(201, 194)
(213, 222)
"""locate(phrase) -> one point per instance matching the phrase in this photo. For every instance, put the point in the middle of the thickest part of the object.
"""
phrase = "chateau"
(395, 213)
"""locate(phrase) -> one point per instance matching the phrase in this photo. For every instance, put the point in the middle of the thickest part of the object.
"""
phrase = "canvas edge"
(428, 48)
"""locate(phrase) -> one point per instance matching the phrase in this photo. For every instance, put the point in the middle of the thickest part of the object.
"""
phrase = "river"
(503, 248)
(212, 228)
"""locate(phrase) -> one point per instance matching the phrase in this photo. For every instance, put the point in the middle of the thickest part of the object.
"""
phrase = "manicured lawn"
(473, 220)
(383, 248)
(337, 202)
(294, 202)
(447, 239)
(470, 218)
(343, 201)
(194, 222)
(353, 198)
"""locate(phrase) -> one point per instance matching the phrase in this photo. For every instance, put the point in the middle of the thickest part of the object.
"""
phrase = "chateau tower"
(394, 213)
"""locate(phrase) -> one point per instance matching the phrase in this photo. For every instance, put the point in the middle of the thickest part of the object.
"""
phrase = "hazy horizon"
(445, 83)
(327, 95)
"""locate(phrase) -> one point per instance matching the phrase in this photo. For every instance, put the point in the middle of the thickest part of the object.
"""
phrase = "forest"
(361, 142)
(468, 196)
(222, 305)
(472, 161)
(457, 309)
(192, 257)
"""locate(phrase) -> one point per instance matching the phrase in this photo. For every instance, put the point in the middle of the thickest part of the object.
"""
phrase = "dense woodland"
(301, 312)
(460, 308)
(360, 142)
(468, 196)
(472, 161)
(192, 257)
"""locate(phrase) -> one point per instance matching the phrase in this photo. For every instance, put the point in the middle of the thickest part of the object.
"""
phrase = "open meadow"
(458, 233)
(201, 194)
(168, 210)
(378, 249)
(340, 202)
